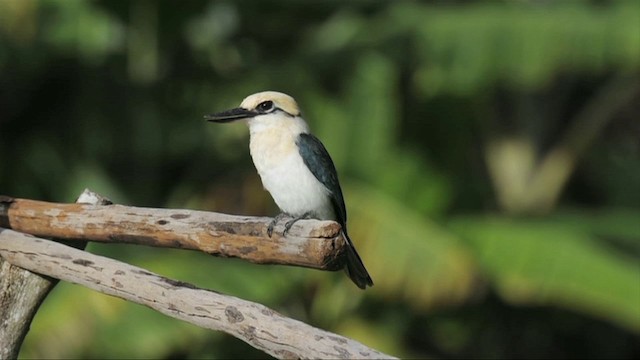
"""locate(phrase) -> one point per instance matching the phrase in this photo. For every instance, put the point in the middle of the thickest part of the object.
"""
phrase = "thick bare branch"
(309, 243)
(22, 292)
(259, 326)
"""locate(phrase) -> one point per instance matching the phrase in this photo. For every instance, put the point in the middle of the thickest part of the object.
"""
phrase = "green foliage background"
(489, 153)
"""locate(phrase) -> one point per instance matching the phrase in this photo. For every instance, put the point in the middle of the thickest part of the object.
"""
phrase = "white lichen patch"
(52, 212)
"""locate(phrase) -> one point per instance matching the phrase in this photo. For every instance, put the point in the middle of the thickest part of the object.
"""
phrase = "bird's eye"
(265, 106)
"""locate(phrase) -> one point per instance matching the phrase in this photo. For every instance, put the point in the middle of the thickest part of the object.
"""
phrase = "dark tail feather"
(355, 267)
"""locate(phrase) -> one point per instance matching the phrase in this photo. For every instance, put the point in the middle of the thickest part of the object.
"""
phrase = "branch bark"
(309, 243)
(259, 326)
(22, 292)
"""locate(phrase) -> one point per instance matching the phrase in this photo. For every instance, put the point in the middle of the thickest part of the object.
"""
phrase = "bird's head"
(263, 109)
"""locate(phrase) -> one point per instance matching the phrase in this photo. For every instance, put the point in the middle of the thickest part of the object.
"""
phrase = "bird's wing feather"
(317, 159)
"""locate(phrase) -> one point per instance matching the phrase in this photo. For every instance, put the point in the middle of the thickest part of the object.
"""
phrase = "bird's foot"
(275, 221)
(288, 224)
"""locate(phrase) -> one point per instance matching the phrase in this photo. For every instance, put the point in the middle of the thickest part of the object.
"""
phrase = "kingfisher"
(294, 166)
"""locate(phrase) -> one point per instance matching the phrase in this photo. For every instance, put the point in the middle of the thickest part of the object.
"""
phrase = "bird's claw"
(287, 225)
(270, 227)
(290, 223)
(275, 220)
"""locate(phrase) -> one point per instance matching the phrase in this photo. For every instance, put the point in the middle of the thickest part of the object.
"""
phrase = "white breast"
(284, 174)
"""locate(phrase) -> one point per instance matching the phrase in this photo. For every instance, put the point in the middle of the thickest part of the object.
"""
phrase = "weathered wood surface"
(22, 292)
(309, 243)
(259, 326)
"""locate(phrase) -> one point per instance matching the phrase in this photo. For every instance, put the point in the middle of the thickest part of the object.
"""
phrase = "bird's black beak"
(231, 115)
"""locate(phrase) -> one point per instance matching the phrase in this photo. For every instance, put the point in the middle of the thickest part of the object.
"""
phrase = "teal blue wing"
(317, 159)
(319, 162)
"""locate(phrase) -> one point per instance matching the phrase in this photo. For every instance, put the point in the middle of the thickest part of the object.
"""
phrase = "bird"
(295, 167)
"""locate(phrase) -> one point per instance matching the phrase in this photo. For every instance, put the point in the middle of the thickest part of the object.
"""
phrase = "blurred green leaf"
(618, 223)
(88, 313)
(550, 263)
(83, 27)
(414, 259)
(466, 50)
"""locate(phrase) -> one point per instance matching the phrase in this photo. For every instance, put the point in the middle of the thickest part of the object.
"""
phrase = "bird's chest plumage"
(285, 175)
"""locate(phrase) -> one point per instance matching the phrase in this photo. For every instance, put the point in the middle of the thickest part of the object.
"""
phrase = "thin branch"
(259, 326)
(309, 243)
(527, 183)
(559, 163)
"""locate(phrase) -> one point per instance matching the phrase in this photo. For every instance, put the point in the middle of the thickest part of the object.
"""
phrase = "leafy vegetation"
(489, 154)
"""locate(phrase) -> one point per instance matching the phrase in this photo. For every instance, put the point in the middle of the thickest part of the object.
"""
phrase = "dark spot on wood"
(268, 333)
(82, 262)
(172, 307)
(87, 263)
(180, 216)
(342, 352)
(267, 312)
(337, 339)
(162, 222)
(364, 353)
(117, 283)
(200, 308)
(119, 272)
(233, 314)
(250, 332)
(94, 280)
(62, 256)
(318, 337)
(224, 227)
(177, 283)
(244, 250)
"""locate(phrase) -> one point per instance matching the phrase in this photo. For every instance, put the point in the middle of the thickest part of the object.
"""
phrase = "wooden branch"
(259, 326)
(309, 243)
(22, 292)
